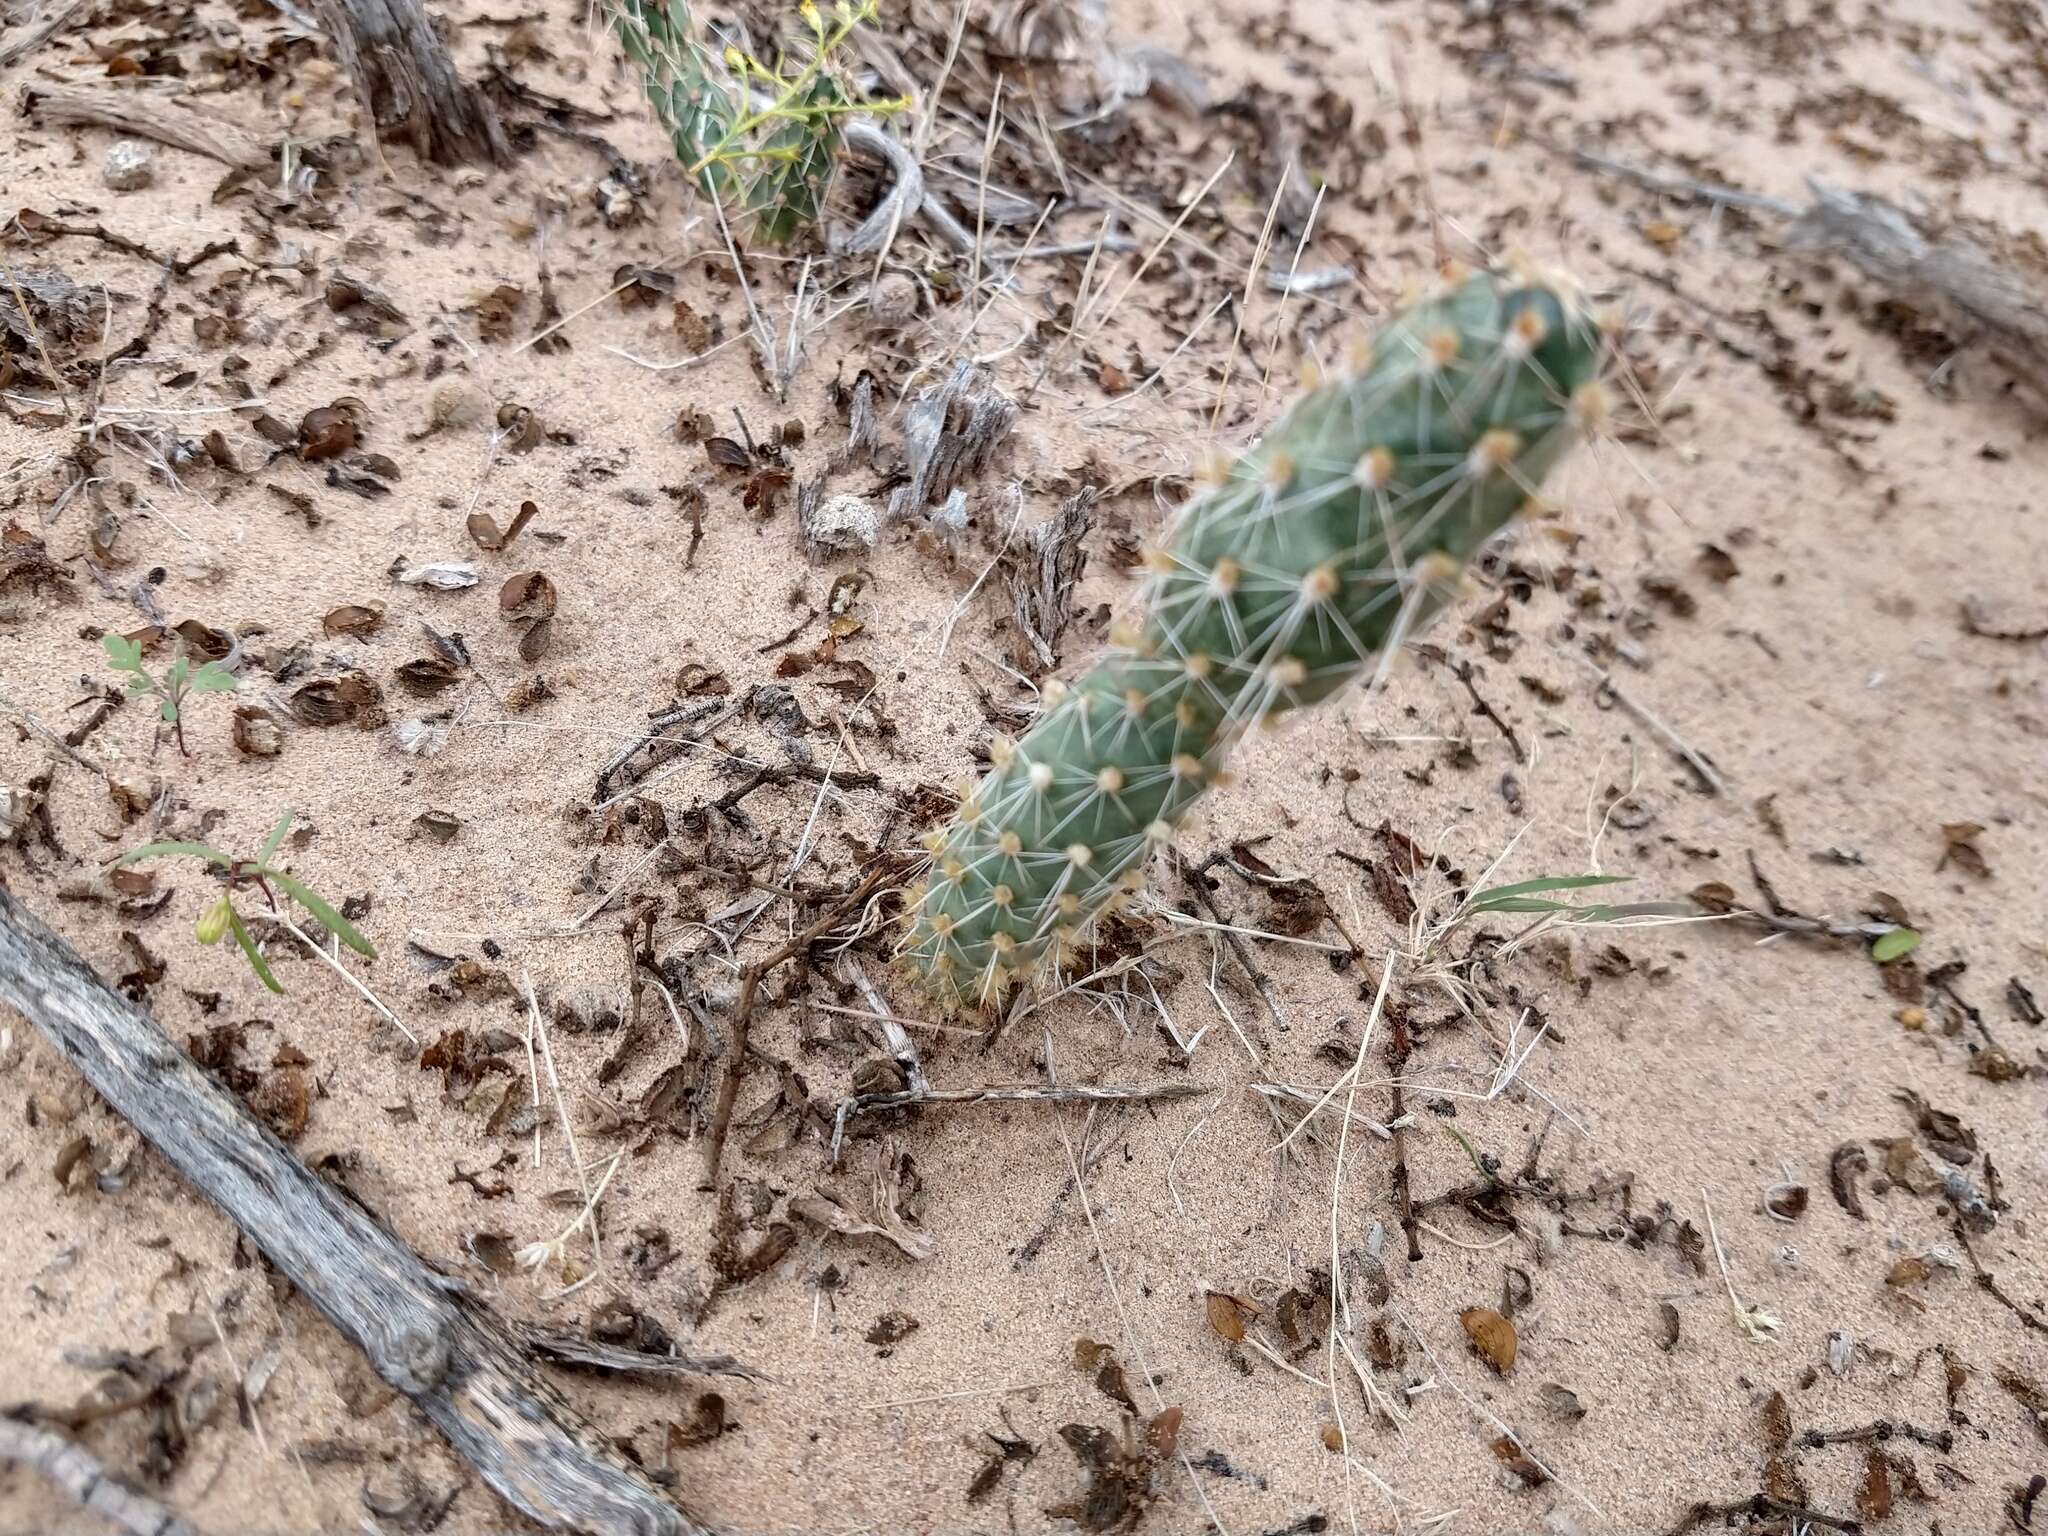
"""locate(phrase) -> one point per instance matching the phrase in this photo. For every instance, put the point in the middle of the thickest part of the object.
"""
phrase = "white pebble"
(130, 166)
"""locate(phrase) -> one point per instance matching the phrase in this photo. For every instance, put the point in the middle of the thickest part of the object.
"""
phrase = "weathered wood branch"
(78, 1472)
(1954, 270)
(36, 32)
(408, 84)
(166, 120)
(463, 1367)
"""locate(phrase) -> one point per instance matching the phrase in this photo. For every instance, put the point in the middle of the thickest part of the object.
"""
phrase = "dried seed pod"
(256, 733)
(357, 619)
(325, 432)
(428, 676)
(527, 596)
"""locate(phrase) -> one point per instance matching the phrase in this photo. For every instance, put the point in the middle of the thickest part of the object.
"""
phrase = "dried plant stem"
(743, 1018)
(562, 1110)
(342, 971)
(1005, 1093)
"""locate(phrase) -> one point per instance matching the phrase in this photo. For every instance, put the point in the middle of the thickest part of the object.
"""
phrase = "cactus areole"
(1321, 550)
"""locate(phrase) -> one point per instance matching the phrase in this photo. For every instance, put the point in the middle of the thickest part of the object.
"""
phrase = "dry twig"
(466, 1370)
(78, 1472)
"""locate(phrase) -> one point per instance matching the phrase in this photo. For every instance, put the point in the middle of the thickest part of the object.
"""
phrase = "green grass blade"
(160, 850)
(262, 967)
(276, 839)
(1545, 883)
(330, 919)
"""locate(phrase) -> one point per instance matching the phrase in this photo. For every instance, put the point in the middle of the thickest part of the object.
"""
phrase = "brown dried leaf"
(534, 643)
(1667, 1327)
(1950, 1138)
(1718, 564)
(1492, 1336)
(1844, 1164)
(357, 619)
(1519, 1463)
(325, 432)
(428, 675)
(485, 530)
(1229, 1315)
(1787, 1202)
(529, 595)
(1959, 846)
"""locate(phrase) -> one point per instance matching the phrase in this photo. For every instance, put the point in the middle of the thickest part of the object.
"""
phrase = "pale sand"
(1832, 674)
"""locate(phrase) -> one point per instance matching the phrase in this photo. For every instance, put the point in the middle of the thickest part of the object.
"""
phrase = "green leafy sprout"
(261, 873)
(754, 137)
(170, 690)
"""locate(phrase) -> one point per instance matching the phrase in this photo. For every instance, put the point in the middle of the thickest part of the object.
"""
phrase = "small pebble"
(893, 300)
(845, 522)
(130, 167)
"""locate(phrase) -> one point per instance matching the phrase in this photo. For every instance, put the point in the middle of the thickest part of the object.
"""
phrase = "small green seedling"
(261, 873)
(170, 690)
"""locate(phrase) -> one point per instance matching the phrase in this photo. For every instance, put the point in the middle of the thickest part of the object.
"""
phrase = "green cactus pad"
(1323, 549)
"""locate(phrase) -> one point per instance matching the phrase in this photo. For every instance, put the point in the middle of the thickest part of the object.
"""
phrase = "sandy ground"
(1778, 574)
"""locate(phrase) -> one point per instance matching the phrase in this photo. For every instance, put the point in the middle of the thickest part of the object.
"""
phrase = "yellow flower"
(213, 922)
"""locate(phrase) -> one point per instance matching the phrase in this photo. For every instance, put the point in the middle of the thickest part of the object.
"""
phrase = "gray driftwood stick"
(78, 1472)
(462, 1366)
(408, 85)
(1954, 269)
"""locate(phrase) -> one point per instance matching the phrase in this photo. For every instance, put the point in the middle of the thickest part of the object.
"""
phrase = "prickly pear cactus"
(1323, 548)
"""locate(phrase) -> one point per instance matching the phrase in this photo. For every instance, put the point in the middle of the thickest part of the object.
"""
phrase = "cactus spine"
(1322, 548)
